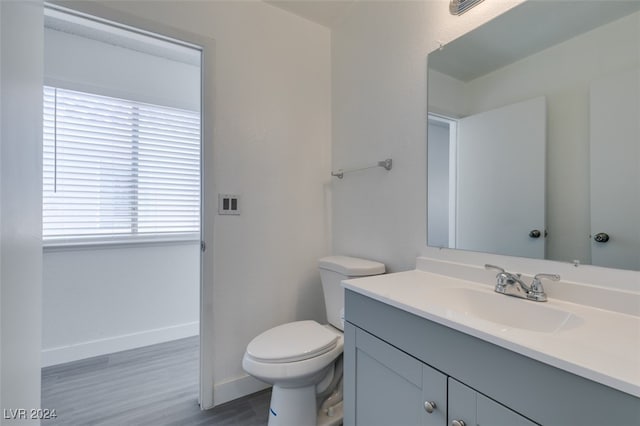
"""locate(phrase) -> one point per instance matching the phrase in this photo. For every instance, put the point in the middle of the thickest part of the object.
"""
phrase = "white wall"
(446, 95)
(99, 300)
(102, 300)
(379, 69)
(271, 118)
(20, 206)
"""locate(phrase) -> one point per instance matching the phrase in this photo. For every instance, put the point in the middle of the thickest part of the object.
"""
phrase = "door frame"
(206, 45)
(452, 125)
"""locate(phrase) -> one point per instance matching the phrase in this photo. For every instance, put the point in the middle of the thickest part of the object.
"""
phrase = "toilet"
(303, 359)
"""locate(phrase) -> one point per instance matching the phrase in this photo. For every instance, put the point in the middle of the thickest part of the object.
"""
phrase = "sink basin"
(508, 311)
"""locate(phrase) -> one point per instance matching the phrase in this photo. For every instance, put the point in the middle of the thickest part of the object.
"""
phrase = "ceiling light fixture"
(458, 7)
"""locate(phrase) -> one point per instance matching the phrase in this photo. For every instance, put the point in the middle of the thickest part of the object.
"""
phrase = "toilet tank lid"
(351, 266)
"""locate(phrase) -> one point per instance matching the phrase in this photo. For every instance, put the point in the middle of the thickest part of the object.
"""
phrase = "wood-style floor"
(154, 385)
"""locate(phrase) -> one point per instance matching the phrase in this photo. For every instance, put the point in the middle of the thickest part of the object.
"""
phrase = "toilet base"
(297, 407)
(293, 406)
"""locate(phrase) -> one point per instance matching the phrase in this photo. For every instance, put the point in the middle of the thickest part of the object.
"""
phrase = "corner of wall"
(20, 204)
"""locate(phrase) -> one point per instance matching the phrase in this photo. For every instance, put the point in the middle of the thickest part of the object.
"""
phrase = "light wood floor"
(155, 385)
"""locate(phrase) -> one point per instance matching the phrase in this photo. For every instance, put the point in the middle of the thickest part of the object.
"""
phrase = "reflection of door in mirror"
(498, 164)
(615, 145)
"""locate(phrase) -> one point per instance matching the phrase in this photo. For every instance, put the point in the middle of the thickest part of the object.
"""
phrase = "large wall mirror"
(534, 135)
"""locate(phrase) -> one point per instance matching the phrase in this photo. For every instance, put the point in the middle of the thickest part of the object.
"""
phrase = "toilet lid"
(294, 341)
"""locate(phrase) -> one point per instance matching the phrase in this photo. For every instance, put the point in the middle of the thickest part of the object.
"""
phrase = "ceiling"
(555, 21)
(324, 12)
(531, 27)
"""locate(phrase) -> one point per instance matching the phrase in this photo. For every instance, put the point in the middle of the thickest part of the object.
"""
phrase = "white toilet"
(303, 359)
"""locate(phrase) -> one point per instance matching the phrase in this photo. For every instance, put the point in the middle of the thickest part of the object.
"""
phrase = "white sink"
(505, 310)
(593, 342)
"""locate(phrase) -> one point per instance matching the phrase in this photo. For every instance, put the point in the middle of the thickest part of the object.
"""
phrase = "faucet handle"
(536, 285)
(494, 267)
(552, 277)
(502, 278)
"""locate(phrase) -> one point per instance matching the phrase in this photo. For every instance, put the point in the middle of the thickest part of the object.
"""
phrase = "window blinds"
(114, 168)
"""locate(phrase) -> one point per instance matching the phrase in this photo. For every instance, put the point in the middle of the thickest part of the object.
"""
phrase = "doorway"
(122, 203)
(442, 174)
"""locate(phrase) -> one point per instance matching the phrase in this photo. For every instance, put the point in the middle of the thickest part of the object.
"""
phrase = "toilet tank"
(334, 269)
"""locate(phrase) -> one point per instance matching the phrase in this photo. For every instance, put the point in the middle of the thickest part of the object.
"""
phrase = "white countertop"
(600, 345)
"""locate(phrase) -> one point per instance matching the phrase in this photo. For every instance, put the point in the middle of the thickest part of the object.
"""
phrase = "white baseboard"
(63, 354)
(236, 388)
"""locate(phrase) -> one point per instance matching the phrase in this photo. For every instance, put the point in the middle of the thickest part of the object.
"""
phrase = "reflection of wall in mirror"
(615, 144)
(562, 73)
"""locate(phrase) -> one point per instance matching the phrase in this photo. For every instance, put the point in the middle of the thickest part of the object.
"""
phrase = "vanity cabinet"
(396, 361)
(393, 388)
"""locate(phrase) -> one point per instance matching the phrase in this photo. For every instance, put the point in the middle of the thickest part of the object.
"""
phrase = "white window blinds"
(118, 169)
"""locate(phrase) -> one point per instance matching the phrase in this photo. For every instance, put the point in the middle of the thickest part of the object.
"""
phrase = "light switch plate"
(228, 204)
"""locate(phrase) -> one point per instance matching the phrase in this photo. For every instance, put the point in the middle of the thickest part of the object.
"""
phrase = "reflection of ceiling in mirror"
(557, 21)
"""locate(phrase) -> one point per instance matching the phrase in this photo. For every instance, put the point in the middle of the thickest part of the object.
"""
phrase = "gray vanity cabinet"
(396, 362)
(393, 388)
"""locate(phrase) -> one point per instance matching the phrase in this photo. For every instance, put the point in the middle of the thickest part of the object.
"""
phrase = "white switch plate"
(228, 204)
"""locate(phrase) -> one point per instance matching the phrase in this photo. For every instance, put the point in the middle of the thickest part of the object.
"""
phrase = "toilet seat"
(294, 341)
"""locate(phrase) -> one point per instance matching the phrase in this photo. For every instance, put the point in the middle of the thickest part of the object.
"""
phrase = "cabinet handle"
(601, 237)
(458, 423)
(429, 406)
(535, 234)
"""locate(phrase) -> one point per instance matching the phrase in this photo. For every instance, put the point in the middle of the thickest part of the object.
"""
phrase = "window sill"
(122, 242)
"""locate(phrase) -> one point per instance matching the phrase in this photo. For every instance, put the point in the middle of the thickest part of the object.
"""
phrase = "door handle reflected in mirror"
(535, 234)
(601, 237)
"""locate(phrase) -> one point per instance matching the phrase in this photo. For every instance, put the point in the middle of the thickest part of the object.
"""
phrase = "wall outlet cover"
(228, 204)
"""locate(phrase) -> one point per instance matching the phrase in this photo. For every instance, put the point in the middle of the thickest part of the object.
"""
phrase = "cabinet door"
(470, 408)
(462, 404)
(392, 388)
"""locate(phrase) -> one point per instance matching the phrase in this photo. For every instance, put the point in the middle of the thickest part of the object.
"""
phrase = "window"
(115, 169)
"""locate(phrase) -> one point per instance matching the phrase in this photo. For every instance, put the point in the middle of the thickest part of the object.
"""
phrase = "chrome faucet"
(513, 285)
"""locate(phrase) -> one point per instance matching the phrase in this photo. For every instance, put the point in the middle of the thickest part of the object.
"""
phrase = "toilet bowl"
(303, 359)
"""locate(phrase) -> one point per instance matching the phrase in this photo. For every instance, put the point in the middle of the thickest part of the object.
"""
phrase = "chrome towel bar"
(386, 164)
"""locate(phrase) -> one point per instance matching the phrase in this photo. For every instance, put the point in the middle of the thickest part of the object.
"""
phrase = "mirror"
(534, 135)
